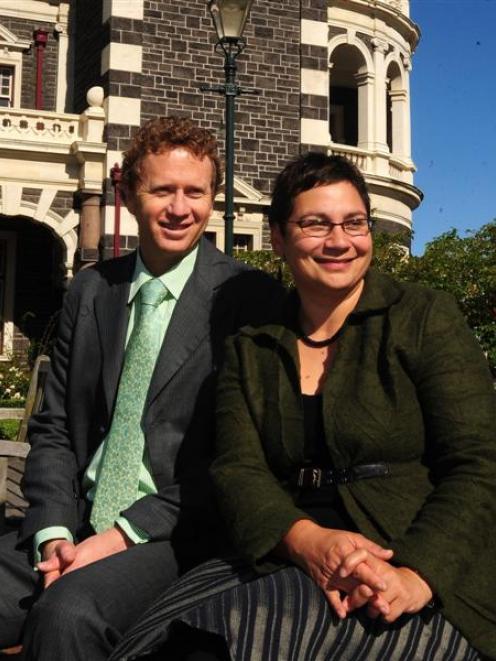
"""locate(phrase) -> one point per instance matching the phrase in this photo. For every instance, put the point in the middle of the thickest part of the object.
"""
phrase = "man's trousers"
(84, 614)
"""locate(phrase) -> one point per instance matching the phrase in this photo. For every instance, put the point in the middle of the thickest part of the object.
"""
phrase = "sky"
(453, 104)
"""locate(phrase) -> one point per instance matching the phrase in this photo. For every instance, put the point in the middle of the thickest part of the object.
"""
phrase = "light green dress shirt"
(174, 280)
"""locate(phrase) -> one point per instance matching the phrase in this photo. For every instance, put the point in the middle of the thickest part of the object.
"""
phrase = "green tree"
(463, 266)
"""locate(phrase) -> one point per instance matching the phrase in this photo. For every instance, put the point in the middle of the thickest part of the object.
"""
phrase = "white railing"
(371, 162)
(358, 157)
(38, 126)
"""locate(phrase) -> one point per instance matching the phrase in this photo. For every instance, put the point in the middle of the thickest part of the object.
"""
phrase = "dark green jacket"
(409, 386)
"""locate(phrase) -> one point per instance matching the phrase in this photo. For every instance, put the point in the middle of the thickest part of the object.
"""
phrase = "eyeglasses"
(322, 228)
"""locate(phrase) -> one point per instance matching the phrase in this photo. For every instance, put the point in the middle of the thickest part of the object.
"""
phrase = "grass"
(9, 429)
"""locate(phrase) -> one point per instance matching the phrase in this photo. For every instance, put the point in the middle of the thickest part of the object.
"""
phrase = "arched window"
(346, 65)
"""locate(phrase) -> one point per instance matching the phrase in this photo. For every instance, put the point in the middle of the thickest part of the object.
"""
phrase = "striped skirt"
(284, 616)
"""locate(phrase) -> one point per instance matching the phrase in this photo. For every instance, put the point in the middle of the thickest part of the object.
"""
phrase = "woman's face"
(336, 263)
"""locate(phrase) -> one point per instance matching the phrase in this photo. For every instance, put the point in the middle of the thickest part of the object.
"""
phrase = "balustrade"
(33, 125)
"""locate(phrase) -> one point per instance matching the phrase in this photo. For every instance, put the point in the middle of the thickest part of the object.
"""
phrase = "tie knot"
(152, 292)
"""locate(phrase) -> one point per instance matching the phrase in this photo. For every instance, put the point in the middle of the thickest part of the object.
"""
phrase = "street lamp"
(229, 18)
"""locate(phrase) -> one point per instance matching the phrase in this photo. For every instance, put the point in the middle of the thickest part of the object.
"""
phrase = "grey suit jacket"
(220, 296)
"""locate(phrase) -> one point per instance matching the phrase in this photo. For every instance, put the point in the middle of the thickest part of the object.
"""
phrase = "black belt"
(313, 477)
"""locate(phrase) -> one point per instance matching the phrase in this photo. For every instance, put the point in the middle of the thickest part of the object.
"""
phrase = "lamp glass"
(229, 17)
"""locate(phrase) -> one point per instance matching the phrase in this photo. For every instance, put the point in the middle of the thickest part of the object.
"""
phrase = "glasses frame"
(307, 231)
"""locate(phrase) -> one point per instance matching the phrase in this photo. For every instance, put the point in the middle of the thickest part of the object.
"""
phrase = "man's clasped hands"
(60, 556)
(354, 571)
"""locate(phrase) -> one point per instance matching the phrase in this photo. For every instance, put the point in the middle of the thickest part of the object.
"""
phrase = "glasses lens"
(315, 227)
(356, 227)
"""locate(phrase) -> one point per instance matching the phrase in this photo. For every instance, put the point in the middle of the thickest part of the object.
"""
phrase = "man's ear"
(277, 240)
(129, 201)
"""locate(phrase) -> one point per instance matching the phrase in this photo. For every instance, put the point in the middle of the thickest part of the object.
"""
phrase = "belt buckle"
(309, 478)
(343, 475)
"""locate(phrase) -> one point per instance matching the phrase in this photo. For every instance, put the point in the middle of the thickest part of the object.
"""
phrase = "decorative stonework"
(335, 31)
(399, 5)
(36, 126)
(380, 45)
(366, 39)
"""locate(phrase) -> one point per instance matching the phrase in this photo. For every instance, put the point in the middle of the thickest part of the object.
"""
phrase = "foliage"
(267, 261)
(14, 383)
(9, 429)
(464, 266)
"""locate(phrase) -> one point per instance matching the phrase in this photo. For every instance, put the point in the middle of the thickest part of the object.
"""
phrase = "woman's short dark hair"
(308, 171)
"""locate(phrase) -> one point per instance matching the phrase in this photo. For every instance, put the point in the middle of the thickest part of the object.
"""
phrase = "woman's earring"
(280, 269)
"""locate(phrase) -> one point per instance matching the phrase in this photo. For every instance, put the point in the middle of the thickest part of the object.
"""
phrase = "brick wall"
(63, 203)
(23, 30)
(178, 56)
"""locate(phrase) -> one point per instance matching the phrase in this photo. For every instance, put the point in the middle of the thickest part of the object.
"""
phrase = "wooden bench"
(13, 453)
(12, 458)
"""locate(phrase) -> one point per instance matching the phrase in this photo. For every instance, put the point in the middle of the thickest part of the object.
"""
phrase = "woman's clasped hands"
(354, 571)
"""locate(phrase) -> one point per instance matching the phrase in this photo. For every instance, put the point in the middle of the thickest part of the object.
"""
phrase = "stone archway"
(32, 282)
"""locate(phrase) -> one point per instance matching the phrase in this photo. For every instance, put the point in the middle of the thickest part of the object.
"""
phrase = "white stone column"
(329, 79)
(407, 125)
(61, 28)
(398, 111)
(90, 154)
(366, 114)
(380, 126)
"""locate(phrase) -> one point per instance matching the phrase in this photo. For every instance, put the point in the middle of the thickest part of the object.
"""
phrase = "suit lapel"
(111, 313)
(190, 321)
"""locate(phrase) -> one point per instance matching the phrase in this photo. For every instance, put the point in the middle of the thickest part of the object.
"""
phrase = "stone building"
(78, 77)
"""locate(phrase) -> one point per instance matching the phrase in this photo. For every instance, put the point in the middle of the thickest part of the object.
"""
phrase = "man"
(117, 479)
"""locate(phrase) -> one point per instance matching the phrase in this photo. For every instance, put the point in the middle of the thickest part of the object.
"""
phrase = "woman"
(362, 421)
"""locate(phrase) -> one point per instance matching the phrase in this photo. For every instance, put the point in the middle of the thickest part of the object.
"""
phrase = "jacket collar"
(380, 292)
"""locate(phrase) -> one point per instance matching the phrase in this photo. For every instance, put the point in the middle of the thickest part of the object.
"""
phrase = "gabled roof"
(244, 193)
(10, 41)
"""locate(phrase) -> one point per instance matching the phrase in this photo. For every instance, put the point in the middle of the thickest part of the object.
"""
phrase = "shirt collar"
(174, 280)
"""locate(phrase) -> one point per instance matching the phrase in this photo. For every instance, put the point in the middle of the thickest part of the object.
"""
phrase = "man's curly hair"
(163, 134)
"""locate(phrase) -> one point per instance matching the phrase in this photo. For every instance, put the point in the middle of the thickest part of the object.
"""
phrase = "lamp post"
(229, 18)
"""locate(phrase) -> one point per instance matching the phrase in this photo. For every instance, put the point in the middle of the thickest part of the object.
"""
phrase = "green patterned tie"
(117, 481)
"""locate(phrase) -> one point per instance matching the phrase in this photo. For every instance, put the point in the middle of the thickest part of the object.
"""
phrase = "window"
(6, 86)
(242, 242)
(211, 236)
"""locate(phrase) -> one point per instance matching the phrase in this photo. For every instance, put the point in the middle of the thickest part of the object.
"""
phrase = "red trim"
(40, 41)
(115, 175)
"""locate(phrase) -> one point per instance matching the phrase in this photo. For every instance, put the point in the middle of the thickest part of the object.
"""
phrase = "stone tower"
(368, 46)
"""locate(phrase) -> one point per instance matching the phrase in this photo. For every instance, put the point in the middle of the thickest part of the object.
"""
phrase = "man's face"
(172, 206)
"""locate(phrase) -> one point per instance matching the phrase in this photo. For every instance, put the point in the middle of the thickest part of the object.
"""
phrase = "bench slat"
(13, 449)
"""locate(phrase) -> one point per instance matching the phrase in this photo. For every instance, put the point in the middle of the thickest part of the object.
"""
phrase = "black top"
(324, 504)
